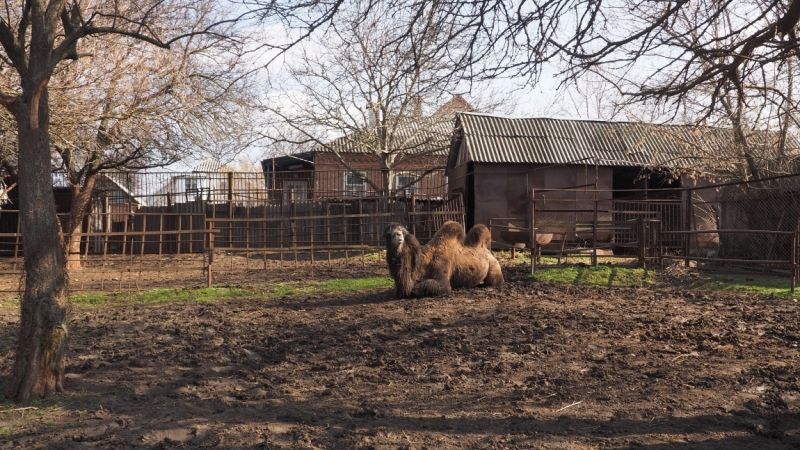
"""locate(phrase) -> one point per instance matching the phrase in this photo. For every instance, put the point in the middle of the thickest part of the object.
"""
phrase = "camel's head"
(395, 235)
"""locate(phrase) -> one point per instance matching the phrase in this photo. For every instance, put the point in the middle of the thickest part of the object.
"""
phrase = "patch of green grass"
(10, 303)
(609, 275)
(167, 295)
(595, 276)
(355, 284)
(6, 432)
(89, 299)
(277, 290)
(42, 407)
(761, 285)
(281, 290)
(524, 258)
(7, 404)
(374, 256)
(193, 295)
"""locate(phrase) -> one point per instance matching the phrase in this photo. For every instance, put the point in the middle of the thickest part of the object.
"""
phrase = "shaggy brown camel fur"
(451, 260)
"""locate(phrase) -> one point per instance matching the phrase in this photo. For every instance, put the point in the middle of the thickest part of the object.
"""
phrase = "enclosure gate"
(721, 226)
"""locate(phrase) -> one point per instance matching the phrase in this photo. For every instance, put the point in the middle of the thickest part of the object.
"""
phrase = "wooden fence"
(150, 238)
(729, 226)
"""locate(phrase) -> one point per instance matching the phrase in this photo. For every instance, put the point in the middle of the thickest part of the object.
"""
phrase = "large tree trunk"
(386, 174)
(42, 344)
(752, 171)
(72, 229)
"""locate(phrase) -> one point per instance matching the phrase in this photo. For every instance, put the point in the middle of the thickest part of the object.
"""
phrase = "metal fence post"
(412, 216)
(687, 225)
(229, 195)
(642, 244)
(660, 244)
(532, 220)
(794, 256)
(594, 228)
(210, 249)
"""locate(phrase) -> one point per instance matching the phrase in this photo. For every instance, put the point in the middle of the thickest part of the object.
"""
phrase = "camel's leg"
(431, 287)
(399, 292)
(403, 286)
(495, 275)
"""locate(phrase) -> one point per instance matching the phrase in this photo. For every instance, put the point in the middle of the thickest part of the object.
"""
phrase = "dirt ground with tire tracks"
(525, 365)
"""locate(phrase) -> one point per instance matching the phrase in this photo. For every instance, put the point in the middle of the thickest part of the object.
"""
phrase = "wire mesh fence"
(590, 223)
(751, 225)
(146, 222)
(175, 223)
(762, 205)
(157, 189)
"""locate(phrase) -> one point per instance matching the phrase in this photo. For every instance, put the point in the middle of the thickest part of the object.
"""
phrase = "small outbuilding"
(495, 162)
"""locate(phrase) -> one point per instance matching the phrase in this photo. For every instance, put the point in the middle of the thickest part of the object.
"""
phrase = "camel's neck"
(414, 254)
(404, 263)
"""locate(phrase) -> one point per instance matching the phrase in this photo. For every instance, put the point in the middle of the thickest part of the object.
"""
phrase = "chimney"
(416, 107)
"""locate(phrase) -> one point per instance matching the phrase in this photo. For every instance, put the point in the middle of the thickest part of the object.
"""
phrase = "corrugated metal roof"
(424, 136)
(495, 139)
(211, 165)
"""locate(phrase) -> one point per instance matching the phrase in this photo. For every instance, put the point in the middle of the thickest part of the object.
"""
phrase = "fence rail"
(715, 226)
(216, 240)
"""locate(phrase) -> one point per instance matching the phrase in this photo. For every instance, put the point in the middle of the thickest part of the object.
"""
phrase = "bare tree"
(642, 41)
(705, 62)
(131, 106)
(364, 84)
(592, 96)
(755, 98)
(36, 37)
(665, 55)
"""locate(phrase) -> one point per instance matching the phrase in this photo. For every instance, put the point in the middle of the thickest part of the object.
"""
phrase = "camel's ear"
(388, 230)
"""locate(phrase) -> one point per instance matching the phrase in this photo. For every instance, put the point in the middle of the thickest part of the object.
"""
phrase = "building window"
(300, 189)
(405, 179)
(354, 185)
(192, 185)
(194, 189)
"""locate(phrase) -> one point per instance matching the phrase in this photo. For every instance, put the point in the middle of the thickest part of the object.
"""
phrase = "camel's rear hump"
(479, 236)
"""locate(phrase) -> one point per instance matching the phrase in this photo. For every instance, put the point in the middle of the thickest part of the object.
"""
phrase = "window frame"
(413, 189)
(350, 189)
(300, 189)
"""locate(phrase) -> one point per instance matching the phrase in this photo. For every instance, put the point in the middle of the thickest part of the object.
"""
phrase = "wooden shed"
(495, 161)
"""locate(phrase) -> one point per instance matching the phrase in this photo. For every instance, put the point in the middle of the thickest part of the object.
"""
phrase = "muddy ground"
(526, 365)
(138, 273)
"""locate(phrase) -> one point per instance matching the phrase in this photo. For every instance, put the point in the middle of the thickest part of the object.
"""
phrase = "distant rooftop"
(212, 165)
(498, 139)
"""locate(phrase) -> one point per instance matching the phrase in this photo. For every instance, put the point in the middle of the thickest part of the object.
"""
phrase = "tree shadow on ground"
(477, 369)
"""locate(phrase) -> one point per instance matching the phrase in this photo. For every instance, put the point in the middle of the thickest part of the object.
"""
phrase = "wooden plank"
(786, 233)
(309, 217)
(299, 248)
(735, 261)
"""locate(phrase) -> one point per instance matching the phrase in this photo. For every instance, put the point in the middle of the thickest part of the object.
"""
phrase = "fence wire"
(750, 225)
(169, 226)
(154, 189)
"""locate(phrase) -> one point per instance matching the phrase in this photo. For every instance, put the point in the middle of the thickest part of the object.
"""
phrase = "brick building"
(420, 146)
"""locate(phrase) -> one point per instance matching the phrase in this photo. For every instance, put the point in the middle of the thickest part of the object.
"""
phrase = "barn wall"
(329, 172)
(457, 180)
(501, 190)
(706, 215)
